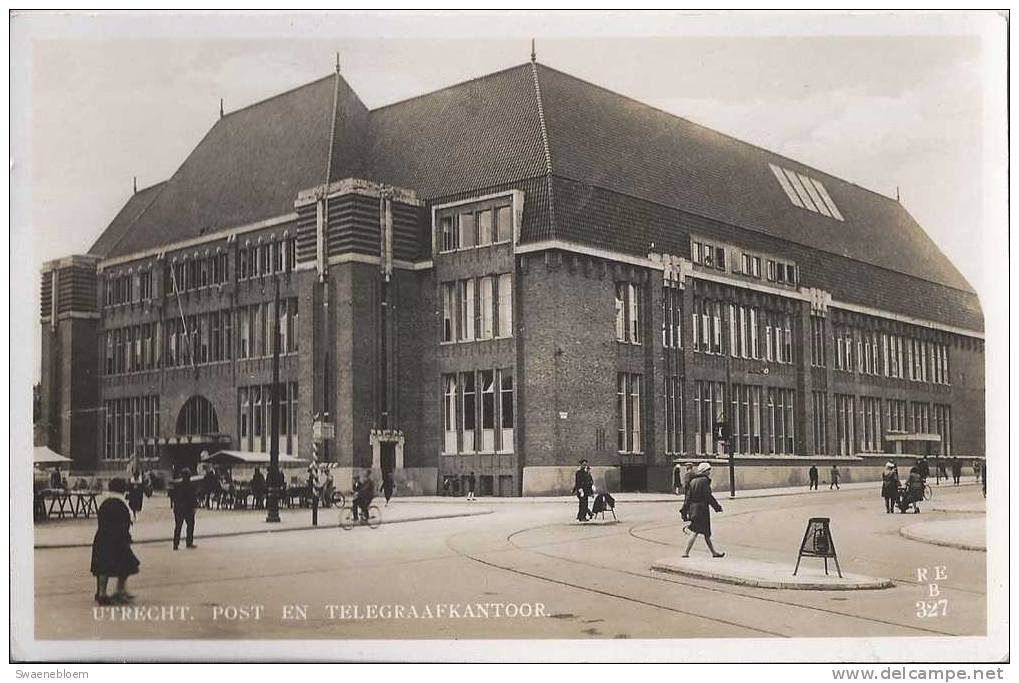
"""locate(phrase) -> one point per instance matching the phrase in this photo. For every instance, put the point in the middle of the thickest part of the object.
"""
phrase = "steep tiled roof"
(477, 134)
(606, 140)
(251, 165)
(122, 222)
(486, 133)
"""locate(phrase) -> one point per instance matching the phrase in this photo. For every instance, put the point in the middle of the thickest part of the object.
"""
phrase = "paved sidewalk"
(720, 493)
(964, 534)
(155, 522)
(747, 572)
(972, 506)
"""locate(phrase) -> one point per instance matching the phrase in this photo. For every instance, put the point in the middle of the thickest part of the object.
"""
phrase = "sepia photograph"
(509, 336)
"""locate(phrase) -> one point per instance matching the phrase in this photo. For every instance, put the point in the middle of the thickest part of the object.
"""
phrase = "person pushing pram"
(911, 494)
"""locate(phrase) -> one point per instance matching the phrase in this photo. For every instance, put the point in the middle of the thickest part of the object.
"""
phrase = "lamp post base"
(272, 507)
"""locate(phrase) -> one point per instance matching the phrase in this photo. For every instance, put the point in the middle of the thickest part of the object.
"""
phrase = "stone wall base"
(551, 480)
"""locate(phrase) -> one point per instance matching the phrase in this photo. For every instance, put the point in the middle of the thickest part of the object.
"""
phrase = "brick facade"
(582, 277)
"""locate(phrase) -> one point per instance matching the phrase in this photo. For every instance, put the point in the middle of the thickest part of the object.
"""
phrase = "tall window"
(449, 413)
(672, 317)
(629, 312)
(897, 421)
(487, 303)
(505, 286)
(871, 439)
(817, 355)
(621, 311)
(448, 311)
(943, 427)
(634, 293)
(628, 413)
(467, 310)
(485, 227)
(487, 410)
(673, 415)
(468, 411)
(468, 230)
(845, 423)
(707, 326)
(820, 405)
(506, 410)
(781, 428)
(709, 406)
(450, 236)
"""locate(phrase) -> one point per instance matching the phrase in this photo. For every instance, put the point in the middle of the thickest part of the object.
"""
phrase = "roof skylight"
(806, 192)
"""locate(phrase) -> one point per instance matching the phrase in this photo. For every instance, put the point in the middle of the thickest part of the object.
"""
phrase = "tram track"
(670, 580)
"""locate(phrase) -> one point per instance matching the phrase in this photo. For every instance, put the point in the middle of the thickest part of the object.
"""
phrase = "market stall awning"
(246, 458)
(44, 456)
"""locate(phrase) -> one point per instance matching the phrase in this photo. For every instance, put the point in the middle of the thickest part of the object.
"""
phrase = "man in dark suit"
(583, 487)
(184, 502)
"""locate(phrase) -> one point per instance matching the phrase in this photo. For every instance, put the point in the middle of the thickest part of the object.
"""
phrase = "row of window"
(132, 349)
(880, 354)
(477, 411)
(267, 258)
(714, 256)
(753, 332)
(477, 308)
(201, 338)
(860, 423)
(190, 274)
(254, 417)
(128, 422)
(129, 288)
(476, 226)
(194, 273)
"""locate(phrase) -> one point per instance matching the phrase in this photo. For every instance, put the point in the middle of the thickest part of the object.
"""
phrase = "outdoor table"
(70, 503)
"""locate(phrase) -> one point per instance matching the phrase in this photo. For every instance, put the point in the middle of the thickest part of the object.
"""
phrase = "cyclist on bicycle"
(364, 493)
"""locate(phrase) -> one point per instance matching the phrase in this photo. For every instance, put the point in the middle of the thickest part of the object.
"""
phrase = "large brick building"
(501, 277)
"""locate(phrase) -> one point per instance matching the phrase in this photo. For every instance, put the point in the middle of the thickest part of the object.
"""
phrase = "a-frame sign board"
(818, 542)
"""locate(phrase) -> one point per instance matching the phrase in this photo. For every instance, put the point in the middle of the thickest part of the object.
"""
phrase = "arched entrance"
(197, 431)
(197, 416)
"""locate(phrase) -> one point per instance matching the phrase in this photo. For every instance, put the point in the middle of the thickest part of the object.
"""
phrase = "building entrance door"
(387, 457)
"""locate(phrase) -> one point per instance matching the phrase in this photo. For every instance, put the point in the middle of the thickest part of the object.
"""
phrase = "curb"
(662, 498)
(913, 536)
(863, 583)
(251, 532)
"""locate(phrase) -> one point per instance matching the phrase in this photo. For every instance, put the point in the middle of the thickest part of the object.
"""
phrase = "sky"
(897, 104)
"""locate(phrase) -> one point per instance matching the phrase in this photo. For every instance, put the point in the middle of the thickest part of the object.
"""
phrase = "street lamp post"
(272, 504)
(728, 440)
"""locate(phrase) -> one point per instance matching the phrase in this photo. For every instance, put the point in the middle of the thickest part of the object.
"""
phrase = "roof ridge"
(278, 95)
(127, 228)
(448, 87)
(548, 151)
(717, 132)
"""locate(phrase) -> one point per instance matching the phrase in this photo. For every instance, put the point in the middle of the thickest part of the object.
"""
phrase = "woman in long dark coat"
(111, 547)
(697, 508)
(135, 494)
(890, 487)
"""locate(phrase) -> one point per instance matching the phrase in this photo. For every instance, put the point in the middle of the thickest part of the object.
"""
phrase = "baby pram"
(604, 502)
(910, 496)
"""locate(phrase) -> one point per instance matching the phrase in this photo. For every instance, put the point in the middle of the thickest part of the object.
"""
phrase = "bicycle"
(928, 492)
(347, 517)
